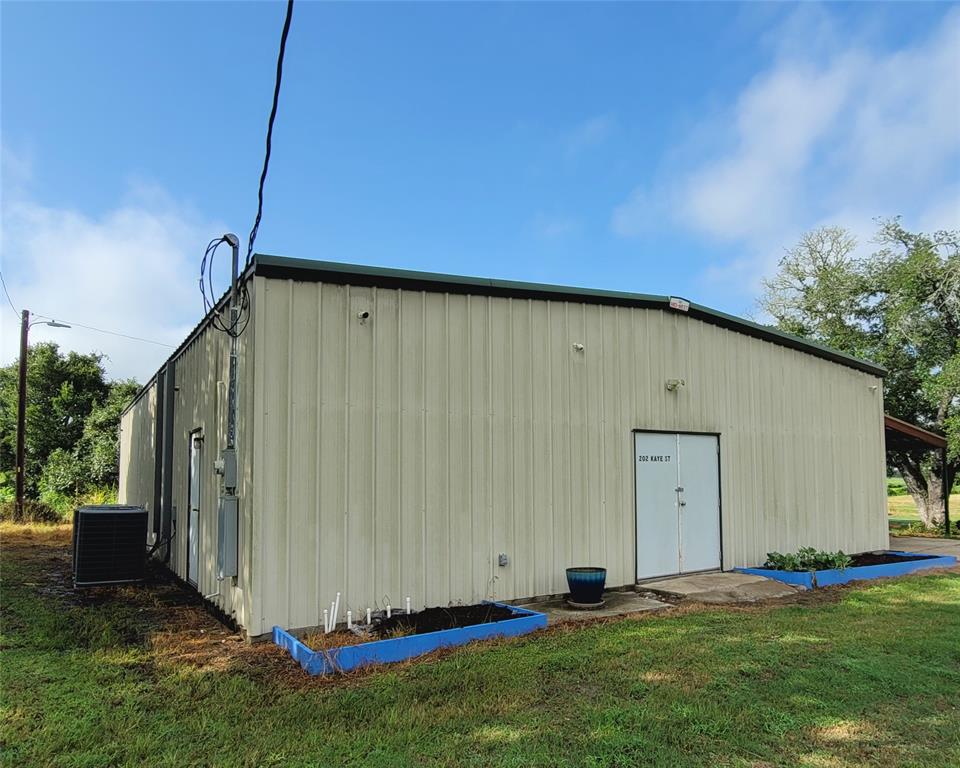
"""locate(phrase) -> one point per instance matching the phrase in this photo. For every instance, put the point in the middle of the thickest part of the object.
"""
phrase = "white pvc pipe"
(336, 611)
(388, 611)
(333, 621)
(408, 606)
(326, 621)
(368, 616)
(349, 619)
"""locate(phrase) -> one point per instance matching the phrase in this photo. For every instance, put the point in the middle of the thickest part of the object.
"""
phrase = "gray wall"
(137, 447)
(400, 455)
(199, 403)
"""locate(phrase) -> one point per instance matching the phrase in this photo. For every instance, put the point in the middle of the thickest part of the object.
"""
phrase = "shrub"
(62, 474)
(896, 486)
(808, 559)
(33, 512)
(55, 506)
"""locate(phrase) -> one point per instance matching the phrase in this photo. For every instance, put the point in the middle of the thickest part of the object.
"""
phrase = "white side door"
(193, 518)
(658, 530)
(699, 499)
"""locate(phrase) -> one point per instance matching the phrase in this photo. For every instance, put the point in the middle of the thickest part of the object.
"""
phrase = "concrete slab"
(926, 546)
(719, 588)
(617, 604)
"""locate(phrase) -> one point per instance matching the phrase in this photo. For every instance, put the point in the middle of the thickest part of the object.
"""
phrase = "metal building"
(455, 439)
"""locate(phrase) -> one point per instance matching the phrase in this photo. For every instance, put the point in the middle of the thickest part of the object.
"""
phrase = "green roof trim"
(307, 270)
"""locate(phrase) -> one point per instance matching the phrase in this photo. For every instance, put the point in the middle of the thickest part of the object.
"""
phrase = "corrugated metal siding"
(138, 451)
(398, 456)
(200, 403)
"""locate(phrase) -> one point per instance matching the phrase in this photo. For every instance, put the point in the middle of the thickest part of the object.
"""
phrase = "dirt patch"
(883, 558)
(437, 619)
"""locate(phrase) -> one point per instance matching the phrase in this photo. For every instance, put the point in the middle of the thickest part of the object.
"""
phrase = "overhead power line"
(7, 294)
(273, 116)
(80, 325)
(104, 330)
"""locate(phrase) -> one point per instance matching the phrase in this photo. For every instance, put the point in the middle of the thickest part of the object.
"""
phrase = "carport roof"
(903, 434)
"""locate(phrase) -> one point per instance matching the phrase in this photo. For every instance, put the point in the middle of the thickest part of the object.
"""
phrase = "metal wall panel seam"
(256, 568)
(343, 545)
(318, 455)
(401, 556)
(446, 369)
(374, 438)
(291, 406)
(491, 575)
(553, 420)
(423, 432)
(568, 551)
(469, 418)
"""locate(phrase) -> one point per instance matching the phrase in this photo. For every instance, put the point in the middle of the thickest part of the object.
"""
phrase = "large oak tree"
(900, 307)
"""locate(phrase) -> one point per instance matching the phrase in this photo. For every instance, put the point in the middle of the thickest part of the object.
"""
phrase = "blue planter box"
(809, 579)
(350, 657)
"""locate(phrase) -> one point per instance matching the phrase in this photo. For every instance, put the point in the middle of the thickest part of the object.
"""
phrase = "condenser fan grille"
(109, 545)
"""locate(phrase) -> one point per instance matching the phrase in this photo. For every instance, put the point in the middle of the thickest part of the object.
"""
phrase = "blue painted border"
(351, 657)
(828, 578)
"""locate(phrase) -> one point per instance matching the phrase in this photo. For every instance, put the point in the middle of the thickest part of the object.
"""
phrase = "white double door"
(678, 503)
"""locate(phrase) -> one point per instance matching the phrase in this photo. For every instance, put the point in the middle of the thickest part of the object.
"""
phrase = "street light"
(25, 325)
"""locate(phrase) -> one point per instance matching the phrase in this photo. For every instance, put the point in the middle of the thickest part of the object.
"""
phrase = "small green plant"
(808, 559)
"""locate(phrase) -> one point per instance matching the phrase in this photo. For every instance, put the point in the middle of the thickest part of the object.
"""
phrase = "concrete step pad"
(719, 588)
(615, 604)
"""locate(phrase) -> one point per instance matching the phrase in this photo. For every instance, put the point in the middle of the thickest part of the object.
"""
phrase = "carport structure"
(903, 436)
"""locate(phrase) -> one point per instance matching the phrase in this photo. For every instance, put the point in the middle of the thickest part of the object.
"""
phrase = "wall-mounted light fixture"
(578, 347)
(674, 385)
(363, 316)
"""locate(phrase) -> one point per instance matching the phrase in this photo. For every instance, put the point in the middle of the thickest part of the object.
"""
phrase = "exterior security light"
(674, 384)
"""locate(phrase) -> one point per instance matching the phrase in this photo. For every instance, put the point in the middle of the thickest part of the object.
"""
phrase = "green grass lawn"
(843, 677)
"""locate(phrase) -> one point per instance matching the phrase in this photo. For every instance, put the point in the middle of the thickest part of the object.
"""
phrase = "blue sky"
(662, 148)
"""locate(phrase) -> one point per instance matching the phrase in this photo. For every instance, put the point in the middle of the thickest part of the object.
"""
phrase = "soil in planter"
(322, 641)
(882, 558)
(435, 619)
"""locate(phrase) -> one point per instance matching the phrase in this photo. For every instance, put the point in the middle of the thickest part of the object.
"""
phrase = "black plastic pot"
(586, 584)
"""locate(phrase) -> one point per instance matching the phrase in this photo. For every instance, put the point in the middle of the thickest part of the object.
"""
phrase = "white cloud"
(554, 227)
(132, 270)
(832, 132)
(589, 133)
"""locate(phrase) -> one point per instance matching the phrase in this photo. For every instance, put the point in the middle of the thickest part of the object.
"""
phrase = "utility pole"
(22, 411)
(22, 405)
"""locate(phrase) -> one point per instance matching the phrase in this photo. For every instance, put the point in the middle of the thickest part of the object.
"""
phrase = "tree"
(98, 450)
(61, 392)
(899, 307)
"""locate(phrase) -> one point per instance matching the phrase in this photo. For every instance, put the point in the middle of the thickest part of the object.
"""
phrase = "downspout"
(156, 503)
(166, 500)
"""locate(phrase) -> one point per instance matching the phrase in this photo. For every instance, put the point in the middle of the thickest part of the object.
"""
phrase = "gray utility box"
(228, 521)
